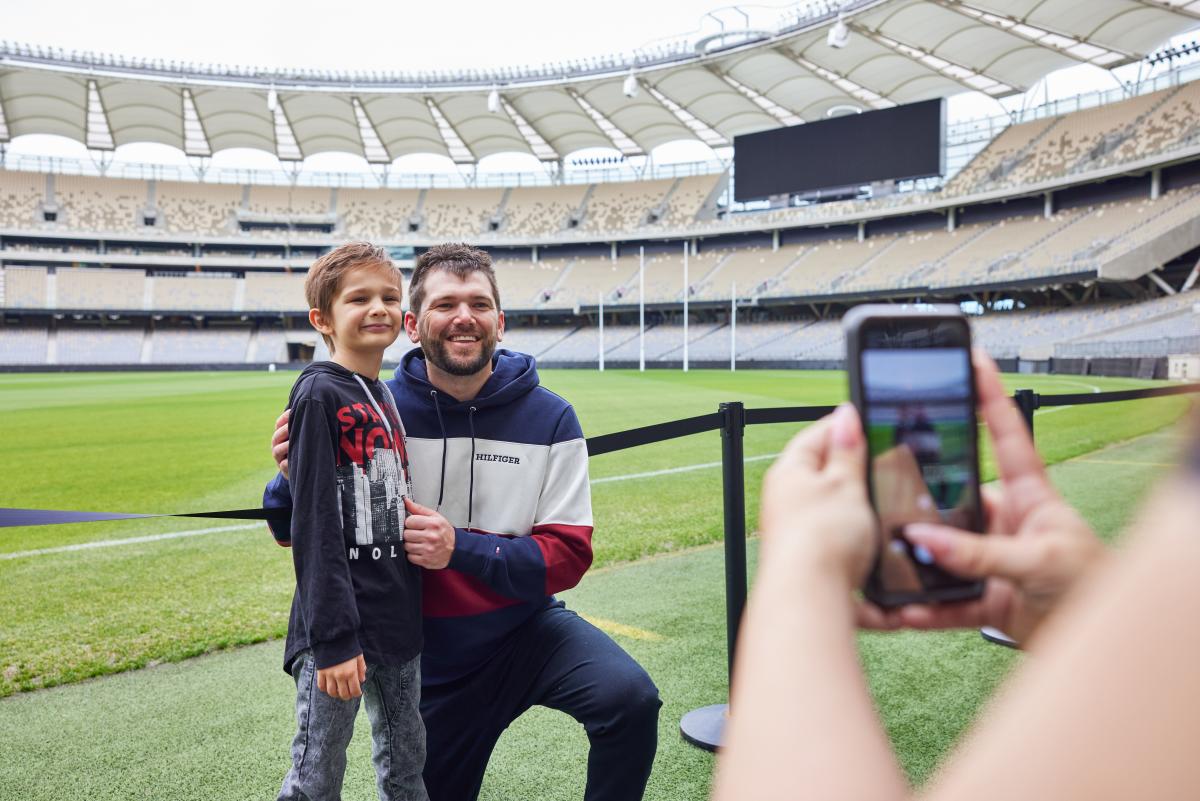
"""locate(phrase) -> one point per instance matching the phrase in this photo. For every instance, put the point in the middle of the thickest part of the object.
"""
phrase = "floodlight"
(839, 34)
(493, 102)
(272, 100)
(631, 86)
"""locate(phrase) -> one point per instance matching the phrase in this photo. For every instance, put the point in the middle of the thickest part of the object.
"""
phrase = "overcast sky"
(405, 36)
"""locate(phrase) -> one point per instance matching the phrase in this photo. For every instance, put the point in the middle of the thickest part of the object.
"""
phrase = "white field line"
(672, 470)
(170, 535)
(173, 535)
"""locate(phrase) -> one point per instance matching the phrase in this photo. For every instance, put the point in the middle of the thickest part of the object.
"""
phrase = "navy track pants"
(558, 660)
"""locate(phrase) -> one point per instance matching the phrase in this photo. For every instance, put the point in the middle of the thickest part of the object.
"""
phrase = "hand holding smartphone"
(911, 380)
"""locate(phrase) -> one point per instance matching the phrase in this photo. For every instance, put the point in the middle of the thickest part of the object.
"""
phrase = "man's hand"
(345, 680)
(428, 537)
(279, 442)
(1037, 546)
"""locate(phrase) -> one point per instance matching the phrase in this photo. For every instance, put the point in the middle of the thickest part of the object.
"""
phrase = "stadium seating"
(193, 292)
(622, 206)
(274, 292)
(197, 208)
(375, 214)
(100, 204)
(199, 345)
(541, 211)
(96, 288)
(21, 197)
(523, 283)
(283, 201)
(95, 345)
(459, 214)
(535, 341)
(23, 344)
(24, 287)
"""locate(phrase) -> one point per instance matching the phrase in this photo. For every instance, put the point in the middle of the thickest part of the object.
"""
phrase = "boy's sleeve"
(324, 589)
(558, 550)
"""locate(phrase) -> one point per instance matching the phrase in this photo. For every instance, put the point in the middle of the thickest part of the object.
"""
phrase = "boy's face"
(365, 315)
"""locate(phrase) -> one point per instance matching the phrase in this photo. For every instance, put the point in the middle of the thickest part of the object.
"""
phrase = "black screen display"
(891, 144)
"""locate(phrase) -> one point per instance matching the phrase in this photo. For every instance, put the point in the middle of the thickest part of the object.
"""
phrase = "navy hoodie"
(356, 593)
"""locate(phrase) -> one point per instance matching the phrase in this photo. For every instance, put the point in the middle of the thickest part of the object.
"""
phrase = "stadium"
(153, 314)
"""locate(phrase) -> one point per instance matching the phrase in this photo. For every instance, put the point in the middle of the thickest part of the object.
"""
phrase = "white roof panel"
(898, 51)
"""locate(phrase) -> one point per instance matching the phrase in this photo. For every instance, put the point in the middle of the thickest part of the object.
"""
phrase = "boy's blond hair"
(325, 277)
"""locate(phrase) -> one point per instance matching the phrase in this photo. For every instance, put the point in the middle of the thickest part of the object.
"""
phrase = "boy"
(355, 626)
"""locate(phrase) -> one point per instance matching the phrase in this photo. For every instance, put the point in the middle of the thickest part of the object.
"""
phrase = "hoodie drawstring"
(471, 486)
(442, 486)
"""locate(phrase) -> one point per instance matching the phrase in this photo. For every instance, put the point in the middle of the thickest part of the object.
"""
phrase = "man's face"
(459, 324)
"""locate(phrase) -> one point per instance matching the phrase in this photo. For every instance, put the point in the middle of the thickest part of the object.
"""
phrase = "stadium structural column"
(601, 316)
(1028, 402)
(704, 727)
(641, 308)
(686, 291)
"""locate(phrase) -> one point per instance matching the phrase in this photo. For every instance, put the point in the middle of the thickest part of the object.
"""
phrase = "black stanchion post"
(703, 727)
(1028, 402)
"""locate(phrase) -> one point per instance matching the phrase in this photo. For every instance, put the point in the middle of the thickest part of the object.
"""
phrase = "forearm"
(549, 560)
(800, 699)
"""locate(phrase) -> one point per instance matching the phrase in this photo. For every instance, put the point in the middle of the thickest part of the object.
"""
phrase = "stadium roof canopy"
(895, 51)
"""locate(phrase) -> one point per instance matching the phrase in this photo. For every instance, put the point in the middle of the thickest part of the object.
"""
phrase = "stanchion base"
(995, 635)
(703, 727)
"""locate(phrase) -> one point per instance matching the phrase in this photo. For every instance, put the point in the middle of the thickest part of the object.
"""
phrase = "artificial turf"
(219, 726)
(163, 442)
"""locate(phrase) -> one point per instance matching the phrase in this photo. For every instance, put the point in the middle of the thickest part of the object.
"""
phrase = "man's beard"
(438, 354)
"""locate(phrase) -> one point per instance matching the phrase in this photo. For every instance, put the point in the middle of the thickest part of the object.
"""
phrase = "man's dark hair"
(457, 258)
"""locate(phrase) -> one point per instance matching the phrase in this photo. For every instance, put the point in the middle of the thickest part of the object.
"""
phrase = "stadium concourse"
(1071, 229)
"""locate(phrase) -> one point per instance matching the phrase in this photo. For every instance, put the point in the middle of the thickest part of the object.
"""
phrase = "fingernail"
(845, 426)
(928, 536)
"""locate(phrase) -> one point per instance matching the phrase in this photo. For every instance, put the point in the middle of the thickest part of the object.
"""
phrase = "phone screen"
(919, 415)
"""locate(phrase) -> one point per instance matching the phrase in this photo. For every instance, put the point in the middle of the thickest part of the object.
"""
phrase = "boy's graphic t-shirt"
(356, 592)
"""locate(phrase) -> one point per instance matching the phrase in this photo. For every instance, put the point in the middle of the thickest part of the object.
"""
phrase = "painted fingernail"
(845, 426)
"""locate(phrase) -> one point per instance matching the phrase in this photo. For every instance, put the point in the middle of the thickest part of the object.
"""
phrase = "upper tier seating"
(21, 198)
(542, 210)
(100, 204)
(201, 209)
(459, 214)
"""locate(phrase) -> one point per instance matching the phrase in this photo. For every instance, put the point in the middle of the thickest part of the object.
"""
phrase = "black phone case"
(853, 323)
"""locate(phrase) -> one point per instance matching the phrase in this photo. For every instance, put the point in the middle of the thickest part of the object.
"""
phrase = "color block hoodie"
(509, 470)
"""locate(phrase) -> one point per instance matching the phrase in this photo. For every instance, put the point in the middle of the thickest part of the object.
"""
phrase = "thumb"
(848, 451)
(977, 556)
(415, 508)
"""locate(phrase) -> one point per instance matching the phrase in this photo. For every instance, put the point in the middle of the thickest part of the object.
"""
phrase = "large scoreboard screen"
(891, 144)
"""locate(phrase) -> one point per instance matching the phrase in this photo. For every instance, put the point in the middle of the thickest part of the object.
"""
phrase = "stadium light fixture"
(493, 101)
(272, 99)
(839, 34)
(631, 87)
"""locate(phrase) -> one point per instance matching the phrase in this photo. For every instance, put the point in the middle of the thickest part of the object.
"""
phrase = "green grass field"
(217, 726)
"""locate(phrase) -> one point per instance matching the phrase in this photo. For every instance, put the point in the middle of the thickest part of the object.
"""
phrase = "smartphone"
(912, 382)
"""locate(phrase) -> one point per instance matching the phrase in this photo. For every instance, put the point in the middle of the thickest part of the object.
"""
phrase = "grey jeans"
(325, 724)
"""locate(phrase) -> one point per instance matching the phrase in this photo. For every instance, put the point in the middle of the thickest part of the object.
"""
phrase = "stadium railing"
(702, 727)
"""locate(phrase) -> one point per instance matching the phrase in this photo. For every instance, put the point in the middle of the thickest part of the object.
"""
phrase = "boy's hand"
(343, 681)
(428, 536)
(279, 442)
